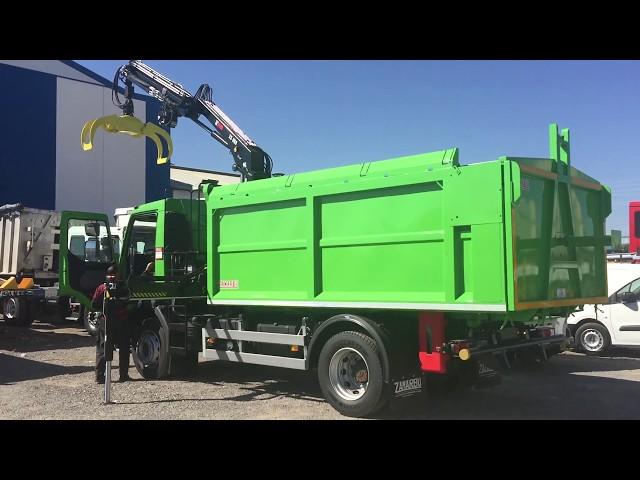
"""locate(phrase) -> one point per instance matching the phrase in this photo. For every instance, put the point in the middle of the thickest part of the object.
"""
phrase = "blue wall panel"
(27, 137)
(157, 183)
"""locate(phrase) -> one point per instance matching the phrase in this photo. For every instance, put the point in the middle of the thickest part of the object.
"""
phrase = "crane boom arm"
(249, 159)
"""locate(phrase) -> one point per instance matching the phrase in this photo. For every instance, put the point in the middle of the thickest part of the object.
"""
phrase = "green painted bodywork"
(419, 232)
(65, 288)
(513, 237)
(165, 284)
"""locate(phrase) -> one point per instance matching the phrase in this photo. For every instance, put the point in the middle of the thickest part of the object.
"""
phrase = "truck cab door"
(86, 251)
(625, 314)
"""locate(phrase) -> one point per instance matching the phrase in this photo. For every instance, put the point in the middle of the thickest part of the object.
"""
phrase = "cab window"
(177, 245)
(89, 241)
(633, 287)
(142, 245)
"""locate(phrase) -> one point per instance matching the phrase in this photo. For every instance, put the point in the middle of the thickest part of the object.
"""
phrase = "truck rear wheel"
(16, 312)
(151, 354)
(350, 374)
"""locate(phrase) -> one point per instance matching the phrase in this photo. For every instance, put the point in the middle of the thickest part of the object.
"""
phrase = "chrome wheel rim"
(10, 308)
(592, 340)
(349, 374)
(92, 320)
(148, 349)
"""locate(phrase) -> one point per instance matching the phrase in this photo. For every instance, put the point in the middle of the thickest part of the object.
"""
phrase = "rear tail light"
(546, 331)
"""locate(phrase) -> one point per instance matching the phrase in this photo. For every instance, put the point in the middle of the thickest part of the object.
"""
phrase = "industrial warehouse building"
(42, 164)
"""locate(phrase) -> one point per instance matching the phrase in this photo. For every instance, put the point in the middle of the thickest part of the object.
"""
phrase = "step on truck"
(378, 276)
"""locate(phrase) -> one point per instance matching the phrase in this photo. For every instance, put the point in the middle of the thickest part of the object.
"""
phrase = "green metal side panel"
(406, 233)
(418, 232)
(64, 285)
(162, 287)
(558, 228)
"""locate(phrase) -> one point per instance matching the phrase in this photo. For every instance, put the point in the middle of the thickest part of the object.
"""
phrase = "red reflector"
(219, 125)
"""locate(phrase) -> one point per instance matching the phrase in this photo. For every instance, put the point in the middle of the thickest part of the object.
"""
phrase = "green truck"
(376, 275)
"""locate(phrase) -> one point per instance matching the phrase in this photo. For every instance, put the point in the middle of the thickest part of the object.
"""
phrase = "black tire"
(17, 312)
(592, 338)
(151, 351)
(90, 321)
(334, 381)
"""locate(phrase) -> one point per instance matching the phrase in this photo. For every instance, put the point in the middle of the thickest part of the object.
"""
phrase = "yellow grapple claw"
(129, 125)
(154, 132)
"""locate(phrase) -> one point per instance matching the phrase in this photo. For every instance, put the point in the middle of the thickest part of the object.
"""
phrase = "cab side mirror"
(628, 297)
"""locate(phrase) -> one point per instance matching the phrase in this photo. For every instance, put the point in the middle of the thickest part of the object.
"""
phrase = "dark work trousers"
(118, 335)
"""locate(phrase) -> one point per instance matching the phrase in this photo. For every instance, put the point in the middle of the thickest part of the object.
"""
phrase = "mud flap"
(487, 372)
(128, 125)
(406, 392)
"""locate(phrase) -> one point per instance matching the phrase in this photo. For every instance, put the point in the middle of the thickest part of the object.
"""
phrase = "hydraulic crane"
(249, 159)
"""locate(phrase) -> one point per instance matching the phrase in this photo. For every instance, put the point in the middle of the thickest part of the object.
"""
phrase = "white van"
(597, 327)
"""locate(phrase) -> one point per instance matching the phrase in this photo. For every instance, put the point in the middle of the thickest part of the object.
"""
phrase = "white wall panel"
(124, 161)
(109, 176)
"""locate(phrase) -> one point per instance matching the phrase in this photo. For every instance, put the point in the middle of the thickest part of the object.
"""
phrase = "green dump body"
(413, 233)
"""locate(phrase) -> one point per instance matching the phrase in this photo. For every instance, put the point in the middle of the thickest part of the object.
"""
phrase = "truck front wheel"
(151, 353)
(350, 374)
(90, 320)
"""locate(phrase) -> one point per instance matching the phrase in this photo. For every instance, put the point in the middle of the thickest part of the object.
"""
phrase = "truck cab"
(160, 275)
(161, 246)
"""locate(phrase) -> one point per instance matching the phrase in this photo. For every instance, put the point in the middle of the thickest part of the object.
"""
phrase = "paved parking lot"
(46, 372)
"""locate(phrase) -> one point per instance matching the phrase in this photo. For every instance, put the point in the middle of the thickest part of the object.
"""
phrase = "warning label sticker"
(229, 283)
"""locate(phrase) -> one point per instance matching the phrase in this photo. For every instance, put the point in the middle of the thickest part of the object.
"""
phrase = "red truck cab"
(634, 227)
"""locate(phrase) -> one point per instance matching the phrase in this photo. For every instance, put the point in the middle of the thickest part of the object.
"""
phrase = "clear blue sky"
(317, 114)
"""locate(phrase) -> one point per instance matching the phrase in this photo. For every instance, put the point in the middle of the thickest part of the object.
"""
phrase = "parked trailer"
(374, 274)
(28, 261)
